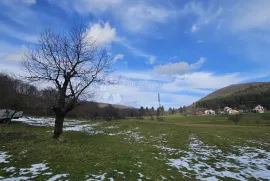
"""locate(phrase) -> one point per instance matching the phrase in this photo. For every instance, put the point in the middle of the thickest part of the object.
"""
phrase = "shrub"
(160, 118)
(265, 116)
(235, 118)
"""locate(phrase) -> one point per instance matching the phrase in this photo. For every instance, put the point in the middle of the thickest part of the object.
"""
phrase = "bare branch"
(72, 62)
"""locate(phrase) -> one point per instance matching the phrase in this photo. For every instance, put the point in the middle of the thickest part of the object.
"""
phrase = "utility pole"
(159, 108)
(159, 100)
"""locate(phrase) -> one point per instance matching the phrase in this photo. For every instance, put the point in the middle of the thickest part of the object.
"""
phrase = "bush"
(265, 116)
(235, 118)
(160, 118)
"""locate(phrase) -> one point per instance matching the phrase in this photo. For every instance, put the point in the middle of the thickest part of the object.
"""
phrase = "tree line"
(160, 111)
(20, 96)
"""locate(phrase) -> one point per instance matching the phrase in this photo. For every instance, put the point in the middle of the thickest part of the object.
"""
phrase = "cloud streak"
(179, 68)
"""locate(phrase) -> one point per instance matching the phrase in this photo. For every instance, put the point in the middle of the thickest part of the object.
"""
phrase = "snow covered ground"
(210, 163)
(69, 125)
(200, 161)
(18, 174)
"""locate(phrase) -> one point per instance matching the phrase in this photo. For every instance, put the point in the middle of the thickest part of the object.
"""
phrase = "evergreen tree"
(141, 111)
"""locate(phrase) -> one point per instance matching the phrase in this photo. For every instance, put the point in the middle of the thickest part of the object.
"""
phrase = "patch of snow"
(56, 177)
(138, 164)
(69, 125)
(258, 142)
(36, 169)
(163, 178)
(9, 169)
(170, 150)
(130, 135)
(84, 128)
(23, 152)
(3, 157)
(141, 175)
(96, 177)
(112, 127)
(36, 121)
(16, 179)
(208, 162)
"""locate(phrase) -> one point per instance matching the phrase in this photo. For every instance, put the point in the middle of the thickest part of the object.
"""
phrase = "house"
(259, 109)
(209, 112)
(199, 113)
(6, 114)
(222, 112)
(233, 112)
(227, 109)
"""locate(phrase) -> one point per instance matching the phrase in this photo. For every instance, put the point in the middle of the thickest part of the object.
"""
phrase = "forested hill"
(239, 95)
(18, 95)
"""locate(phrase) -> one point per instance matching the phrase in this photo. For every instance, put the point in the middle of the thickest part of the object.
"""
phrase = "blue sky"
(180, 49)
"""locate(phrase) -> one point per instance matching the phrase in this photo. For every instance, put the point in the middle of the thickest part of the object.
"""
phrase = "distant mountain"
(100, 104)
(247, 94)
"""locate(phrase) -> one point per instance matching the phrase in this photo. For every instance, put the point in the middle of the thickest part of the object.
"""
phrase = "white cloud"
(207, 80)
(194, 28)
(201, 83)
(237, 17)
(86, 6)
(198, 64)
(174, 58)
(135, 51)
(173, 69)
(104, 34)
(13, 57)
(135, 16)
(11, 68)
(251, 15)
(27, 2)
(118, 57)
(11, 53)
(200, 41)
(151, 61)
(142, 84)
(204, 15)
(101, 33)
(16, 34)
(141, 17)
(136, 75)
(136, 95)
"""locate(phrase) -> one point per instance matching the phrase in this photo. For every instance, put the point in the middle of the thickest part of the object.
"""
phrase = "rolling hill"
(225, 91)
(246, 94)
(119, 106)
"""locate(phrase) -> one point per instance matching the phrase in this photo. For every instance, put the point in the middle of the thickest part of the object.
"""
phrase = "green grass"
(247, 120)
(81, 154)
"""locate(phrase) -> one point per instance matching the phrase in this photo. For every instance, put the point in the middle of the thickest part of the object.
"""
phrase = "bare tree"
(13, 95)
(72, 62)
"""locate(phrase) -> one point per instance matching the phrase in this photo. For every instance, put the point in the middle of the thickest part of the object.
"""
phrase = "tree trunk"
(58, 127)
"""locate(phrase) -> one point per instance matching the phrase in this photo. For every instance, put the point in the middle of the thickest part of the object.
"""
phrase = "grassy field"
(247, 119)
(179, 148)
